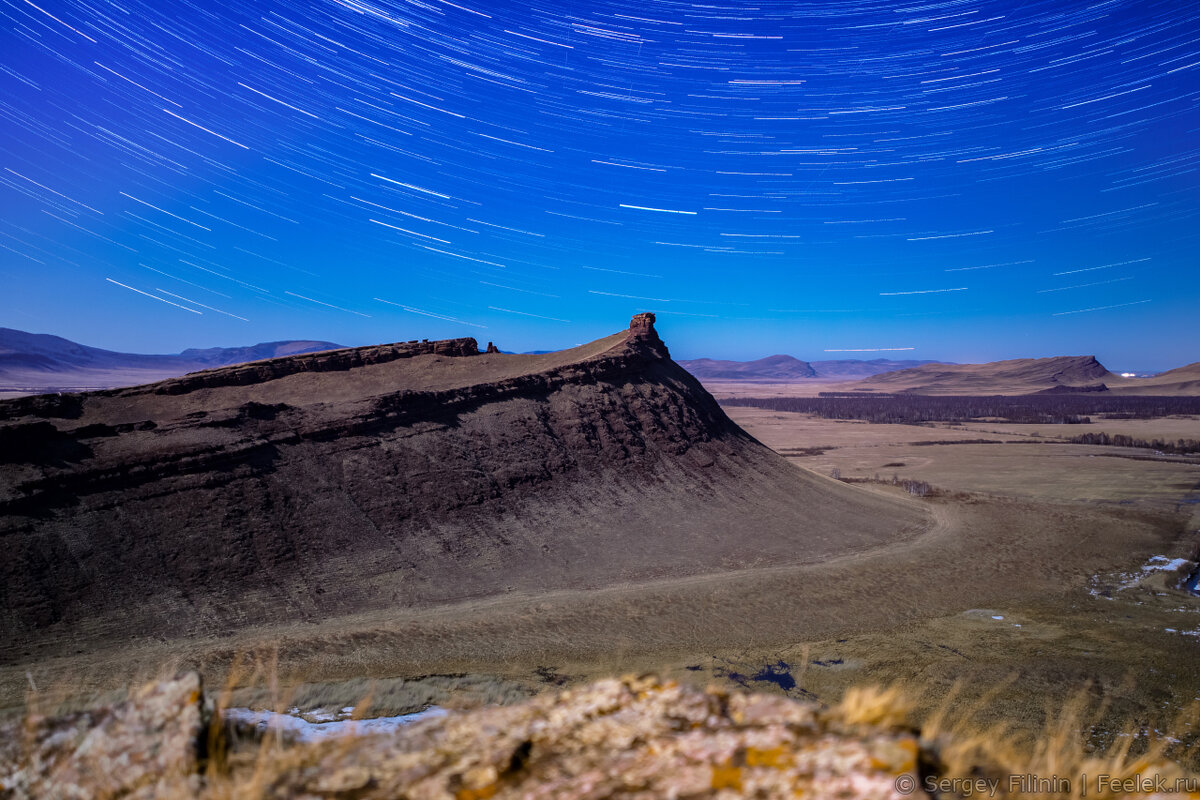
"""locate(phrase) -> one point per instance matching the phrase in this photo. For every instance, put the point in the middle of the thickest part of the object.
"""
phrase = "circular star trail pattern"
(971, 179)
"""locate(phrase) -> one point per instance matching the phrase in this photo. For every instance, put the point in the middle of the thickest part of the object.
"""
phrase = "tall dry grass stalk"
(1061, 761)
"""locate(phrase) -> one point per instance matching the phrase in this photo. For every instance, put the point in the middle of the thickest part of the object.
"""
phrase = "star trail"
(975, 180)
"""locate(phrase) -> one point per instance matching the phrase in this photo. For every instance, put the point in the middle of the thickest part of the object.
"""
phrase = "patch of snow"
(1105, 585)
(997, 616)
(1163, 564)
(305, 731)
(320, 716)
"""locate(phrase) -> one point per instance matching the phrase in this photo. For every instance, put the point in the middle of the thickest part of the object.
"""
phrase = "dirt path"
(976, 553)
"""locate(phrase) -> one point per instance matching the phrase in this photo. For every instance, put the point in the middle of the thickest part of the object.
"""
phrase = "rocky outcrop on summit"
(396, 476)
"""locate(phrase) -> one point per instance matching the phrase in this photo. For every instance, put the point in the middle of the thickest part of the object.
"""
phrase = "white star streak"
(152, 297)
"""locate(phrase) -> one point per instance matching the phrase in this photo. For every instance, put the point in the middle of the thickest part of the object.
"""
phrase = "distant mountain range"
(1016, 376)
(1028, 376)
(781, 368)
(37, 362)
(34, 363)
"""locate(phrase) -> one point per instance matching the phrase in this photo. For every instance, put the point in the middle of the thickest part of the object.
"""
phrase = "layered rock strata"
(396, 476)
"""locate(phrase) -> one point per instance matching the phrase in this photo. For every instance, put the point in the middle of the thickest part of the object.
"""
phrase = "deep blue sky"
(974, 180)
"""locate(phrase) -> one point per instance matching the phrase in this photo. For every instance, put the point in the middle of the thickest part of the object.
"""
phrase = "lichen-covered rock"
(631, 738)
(146, 747)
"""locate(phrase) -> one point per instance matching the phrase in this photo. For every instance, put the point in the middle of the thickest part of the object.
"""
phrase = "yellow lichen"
(776, 757)
(727, 777)
(482, 793)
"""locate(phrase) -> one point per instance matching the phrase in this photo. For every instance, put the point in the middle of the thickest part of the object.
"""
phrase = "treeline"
(916, 488)
(1179, 446)
(908, 409)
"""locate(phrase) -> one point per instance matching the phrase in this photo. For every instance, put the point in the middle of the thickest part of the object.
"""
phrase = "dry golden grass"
(919, 612)
(963, 750)
(958, 748)
(961, 742)
(1036, 467)
(1063, 752)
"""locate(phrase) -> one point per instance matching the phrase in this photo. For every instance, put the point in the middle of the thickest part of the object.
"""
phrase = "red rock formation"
(402, 475)
(642, 327)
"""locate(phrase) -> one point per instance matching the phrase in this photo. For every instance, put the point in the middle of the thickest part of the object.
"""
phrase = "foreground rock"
(616, 738)
(151, 746)
(630, 738)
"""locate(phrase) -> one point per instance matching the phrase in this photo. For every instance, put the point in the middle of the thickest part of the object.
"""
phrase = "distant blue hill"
(38, 362)
(774, 368)
(864, 368)
(783, 368)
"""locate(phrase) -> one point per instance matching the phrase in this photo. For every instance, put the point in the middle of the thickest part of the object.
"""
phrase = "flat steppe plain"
(1027, 586)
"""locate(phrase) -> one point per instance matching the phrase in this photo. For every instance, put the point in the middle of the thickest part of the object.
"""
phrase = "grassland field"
(1028, 586)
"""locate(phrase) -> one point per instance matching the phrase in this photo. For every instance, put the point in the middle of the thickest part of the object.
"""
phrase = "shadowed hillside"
(394, 476)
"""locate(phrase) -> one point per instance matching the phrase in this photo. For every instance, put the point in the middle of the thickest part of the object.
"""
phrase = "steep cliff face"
(398, 475)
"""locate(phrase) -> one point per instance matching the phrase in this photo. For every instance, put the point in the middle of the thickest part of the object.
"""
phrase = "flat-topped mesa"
(642, 337)
(402, 475)
(324, 361)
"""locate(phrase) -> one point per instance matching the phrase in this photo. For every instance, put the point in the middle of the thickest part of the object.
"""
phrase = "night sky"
(971, 180)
